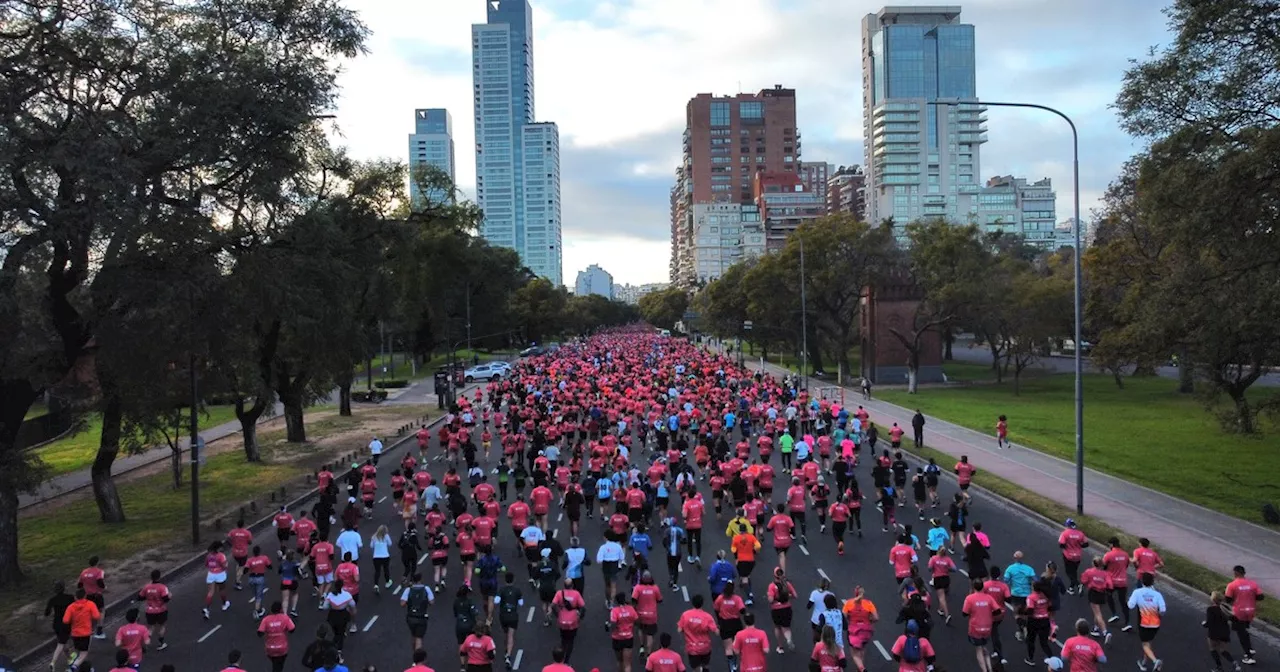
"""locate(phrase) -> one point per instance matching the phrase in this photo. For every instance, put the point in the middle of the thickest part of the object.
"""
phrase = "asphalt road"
(383, 640)
(1066, 364)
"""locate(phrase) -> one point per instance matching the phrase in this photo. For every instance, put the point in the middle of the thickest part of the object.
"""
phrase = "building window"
(751, 111)
(720, 114)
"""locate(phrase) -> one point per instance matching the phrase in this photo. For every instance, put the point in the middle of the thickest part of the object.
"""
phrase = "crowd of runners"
(658, 442)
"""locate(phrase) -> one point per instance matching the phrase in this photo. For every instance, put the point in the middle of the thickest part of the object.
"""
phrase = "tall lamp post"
(1079, 360)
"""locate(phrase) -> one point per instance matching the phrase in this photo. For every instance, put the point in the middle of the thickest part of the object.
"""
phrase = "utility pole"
(804, 324)
(194, 440)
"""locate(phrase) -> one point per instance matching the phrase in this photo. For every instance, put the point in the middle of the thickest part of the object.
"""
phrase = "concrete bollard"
(273, 496)
(217, 523)
(253, 506)
(242, 513)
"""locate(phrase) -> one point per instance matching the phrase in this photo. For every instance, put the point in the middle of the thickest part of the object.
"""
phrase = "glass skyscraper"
(517, 160)
(921, 160)
(431, 143)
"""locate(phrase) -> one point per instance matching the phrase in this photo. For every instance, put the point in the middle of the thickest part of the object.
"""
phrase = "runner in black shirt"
(55, 608)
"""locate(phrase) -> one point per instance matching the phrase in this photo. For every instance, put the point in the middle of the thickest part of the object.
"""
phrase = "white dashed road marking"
(684, 590)
(532, 611)
(515, 664)
(884, 652)
(804, 549)
(370, 623)
(823, 574)
(384, 497)
(209, 634)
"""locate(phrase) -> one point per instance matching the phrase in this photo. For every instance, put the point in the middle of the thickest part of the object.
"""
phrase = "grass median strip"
(1128, 432)
(1192, 574)
(77, 451)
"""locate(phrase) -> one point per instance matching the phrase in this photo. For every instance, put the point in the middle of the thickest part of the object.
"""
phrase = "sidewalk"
(1214, 540)
(418, 393)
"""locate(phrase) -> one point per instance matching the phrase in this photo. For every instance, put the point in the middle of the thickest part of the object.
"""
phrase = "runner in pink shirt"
(1082, 653)
(751, 646)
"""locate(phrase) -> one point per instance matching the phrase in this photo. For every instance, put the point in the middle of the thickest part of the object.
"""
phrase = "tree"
(664, 308)
(946, 265)
(1196, 269)
(538, 308)
(1040, 309)
(113, 110)
(723, 303)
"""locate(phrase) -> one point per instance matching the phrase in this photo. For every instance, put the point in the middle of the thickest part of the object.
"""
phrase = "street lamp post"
(1079, 361)
(804, 323)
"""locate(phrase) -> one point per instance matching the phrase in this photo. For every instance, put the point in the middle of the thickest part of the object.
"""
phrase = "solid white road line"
(370, 623)
(804, 549)
(532, 611)
(422, 559)
(684, 590)
(209, 634)
(884, 652)
(515, 664)
(823, 574)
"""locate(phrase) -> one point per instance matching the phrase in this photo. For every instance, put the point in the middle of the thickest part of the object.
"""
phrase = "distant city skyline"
(617, 158)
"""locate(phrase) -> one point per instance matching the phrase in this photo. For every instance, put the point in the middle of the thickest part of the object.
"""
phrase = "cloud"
(616, 76)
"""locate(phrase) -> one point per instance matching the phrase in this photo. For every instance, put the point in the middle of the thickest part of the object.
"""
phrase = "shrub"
(391, 384)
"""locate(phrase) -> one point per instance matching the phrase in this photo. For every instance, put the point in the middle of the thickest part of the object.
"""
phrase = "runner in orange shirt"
(83, 616)
(744, 547)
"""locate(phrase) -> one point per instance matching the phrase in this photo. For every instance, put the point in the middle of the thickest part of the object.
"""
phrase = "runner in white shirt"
(349, 542)
(375, 449)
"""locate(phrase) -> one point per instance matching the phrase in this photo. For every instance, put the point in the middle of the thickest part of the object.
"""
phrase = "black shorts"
(158, 618)
(97, 599)
(663, 501)
(468, 557)
(283, 535)
(439, 562)
(1097, 597)
(240, 560)
(62, 632)
(941, 582)
(288, 585)
(649, 629)
(511, 624)
(978, 641)
(729, 629)
(964, 486)
(397, 495)
(746, 567)
(636, 514)
(80, 643)
(532, 553)
(701, 661)
(417, 628)
(1147, 634)
(781, 617)
(623, 644)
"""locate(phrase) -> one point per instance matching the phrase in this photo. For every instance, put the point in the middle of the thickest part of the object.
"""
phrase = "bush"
(391, 384)
(368, 395)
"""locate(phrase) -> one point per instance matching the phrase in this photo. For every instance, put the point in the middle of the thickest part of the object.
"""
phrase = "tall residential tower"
(431, 143)
(517, 160)
(921, 160)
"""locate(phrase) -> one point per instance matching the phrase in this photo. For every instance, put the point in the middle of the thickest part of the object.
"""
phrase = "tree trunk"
(1244, 412)
(249, 426)
(110, 509)
(1115, 373)
(175, 465)
(1017, 380)
(912, 379)
(1186, 373)
(16, 397)
(344, 393)
(948, 337)
(295, 430)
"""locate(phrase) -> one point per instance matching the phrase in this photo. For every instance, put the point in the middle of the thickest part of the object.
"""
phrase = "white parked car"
(490, 372)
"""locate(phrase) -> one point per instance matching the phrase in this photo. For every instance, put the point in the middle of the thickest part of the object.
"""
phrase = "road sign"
(747, 325)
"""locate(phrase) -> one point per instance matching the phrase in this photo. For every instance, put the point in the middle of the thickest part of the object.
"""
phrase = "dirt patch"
(333, 437)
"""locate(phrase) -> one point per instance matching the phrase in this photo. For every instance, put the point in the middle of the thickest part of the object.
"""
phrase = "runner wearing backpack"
(416, 599)
(465, 614)
(912, 652)
(509, 601)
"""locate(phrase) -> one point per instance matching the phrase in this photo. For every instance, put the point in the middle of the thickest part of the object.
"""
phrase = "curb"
(46, 647)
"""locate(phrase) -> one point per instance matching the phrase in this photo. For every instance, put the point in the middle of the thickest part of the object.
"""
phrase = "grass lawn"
(77, 451)
(401, 368)
(54, 545)
(37, 409)
(1146, 432)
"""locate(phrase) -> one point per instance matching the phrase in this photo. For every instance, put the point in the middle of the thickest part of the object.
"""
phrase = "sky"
(615, 75)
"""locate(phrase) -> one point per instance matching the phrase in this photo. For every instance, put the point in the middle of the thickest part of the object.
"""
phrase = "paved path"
(1209, 538)
(418, 393)
(382, 639)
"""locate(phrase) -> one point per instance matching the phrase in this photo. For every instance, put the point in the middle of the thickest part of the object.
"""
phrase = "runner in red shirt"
(827, 655)
(215, 564)
(156, 595)
(133, 637)
(1082, 653)
(541, 499)
(622, 619)
(783, 529)
(751, 646)
(1002, 432)
(257, 566)
(1117, 563)
(420, 660)
(1097, 584)
(1243, 594)
(93, 581)
(1072, 542)
(1145, 558)
(696, 625)
(692, 510)
(274, 630)
(240, 539)
(664, 659)
(981, 609)
(964, 475)
(647, 596)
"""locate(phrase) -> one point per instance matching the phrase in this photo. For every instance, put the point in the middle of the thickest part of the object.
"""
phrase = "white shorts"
(212, 578)
(324, 578)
